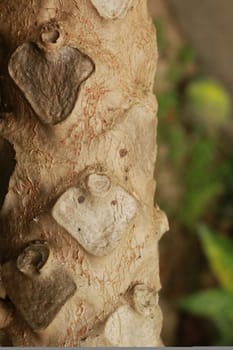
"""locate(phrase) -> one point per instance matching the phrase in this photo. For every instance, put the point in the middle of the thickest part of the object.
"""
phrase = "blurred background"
(194, 171)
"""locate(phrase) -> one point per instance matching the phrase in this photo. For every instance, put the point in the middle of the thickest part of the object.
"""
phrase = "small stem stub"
(33, 258)
(145, 300)
(98, 185)
(51, 36)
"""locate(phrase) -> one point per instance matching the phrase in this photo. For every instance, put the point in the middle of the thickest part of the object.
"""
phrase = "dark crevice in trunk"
(7, 166)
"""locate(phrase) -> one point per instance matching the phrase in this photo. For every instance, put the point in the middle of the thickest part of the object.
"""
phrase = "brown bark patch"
(40, 298)
(50, 81)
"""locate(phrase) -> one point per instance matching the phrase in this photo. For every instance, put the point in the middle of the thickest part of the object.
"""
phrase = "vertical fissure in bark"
(7, 166)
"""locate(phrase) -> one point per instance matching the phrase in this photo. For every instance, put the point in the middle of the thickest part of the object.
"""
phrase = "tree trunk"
(79, 231)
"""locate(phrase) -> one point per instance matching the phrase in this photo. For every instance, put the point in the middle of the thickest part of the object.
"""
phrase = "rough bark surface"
(79, 230)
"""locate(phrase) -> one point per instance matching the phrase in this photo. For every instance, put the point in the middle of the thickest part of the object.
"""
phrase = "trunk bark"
(79, 231)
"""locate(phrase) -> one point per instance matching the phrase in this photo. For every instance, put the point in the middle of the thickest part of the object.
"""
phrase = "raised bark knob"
(98, 185)
(97, 219)
(33, 258)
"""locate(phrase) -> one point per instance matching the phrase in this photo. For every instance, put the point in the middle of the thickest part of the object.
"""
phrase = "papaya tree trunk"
(79, 230)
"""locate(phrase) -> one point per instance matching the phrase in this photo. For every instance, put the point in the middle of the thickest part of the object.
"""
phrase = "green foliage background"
(195, 116)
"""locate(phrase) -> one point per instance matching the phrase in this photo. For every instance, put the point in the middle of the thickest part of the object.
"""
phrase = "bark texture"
(79, 230)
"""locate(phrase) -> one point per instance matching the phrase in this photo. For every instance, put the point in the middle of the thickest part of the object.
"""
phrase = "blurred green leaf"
(177, 142)
(167, 101)
(216, 305)
(226, 208)
(175, 73)
(211, 303)
(161, 34)
(186, 54)
(180, 63)
(197, 201)
(201, 180)
(219, 251)
(209, 100)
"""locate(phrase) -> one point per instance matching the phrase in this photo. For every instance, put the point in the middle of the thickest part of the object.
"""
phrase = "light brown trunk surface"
(79, 231)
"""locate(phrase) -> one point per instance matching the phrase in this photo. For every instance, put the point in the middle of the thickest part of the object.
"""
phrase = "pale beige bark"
(79, 231)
